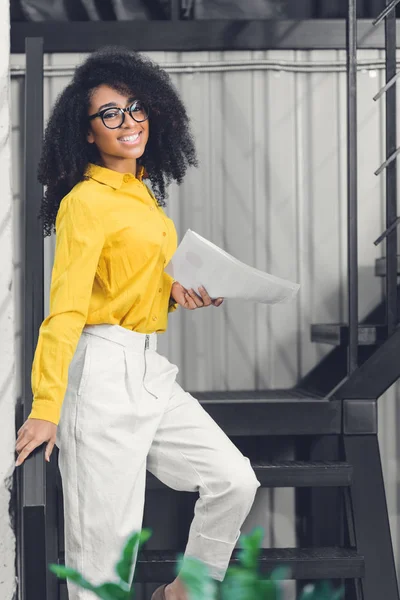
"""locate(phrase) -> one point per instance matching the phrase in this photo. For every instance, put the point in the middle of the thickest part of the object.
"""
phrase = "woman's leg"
(191, 453)
(106, 429)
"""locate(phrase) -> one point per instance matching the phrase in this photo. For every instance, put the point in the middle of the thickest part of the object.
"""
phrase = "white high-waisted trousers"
(124, 412)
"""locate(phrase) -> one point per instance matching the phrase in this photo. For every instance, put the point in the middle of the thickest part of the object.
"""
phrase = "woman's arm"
(79, 242)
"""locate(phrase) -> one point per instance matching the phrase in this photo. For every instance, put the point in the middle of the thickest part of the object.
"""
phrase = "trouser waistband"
(130, 339)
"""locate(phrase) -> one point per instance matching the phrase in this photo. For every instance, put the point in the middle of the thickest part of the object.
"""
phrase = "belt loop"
(147, 342)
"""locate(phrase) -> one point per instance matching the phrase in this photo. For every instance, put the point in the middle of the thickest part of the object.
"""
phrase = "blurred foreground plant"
(242, 581)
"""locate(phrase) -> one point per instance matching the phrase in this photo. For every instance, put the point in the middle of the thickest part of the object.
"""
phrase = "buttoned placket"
(164, 243)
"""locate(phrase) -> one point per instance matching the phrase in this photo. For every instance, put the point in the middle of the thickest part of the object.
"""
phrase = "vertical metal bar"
(352, 277)
(33, 576)
(34, 275)
(175, 9)
(391, 175)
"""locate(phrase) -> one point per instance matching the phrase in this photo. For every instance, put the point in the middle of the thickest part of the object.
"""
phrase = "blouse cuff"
(46, 410)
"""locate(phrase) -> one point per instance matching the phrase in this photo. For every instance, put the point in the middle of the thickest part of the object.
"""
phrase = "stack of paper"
(198, 262)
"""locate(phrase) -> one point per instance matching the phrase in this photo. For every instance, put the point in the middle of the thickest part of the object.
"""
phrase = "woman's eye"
(110, 114)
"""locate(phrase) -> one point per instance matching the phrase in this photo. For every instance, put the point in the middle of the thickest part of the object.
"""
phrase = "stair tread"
(304, 563)
(275, 474)
(272, 412)
(301, 464)
(380, 266)
(292, 554)
(249, 396)
(369, 334)
(156, 566)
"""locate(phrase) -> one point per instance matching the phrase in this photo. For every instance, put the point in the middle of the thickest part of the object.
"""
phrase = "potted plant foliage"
(242, 581)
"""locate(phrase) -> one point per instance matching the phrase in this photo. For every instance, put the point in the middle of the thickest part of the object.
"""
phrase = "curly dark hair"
(66, 152)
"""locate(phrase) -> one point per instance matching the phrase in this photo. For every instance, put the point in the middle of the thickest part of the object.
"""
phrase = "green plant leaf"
(268, 590)
(112, 591)
(67, 573)
(250, 548)
(321, 591)
(239, 584)
(196, 578)
(124, 566)
(281, 574)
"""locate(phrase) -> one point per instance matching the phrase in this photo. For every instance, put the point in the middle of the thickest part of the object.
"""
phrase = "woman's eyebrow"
(108, 105)
(111, 104)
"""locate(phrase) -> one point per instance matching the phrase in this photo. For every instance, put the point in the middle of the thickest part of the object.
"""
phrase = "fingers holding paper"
(190, 300)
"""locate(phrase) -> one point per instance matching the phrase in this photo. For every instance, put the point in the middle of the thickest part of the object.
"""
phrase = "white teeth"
(129, 138)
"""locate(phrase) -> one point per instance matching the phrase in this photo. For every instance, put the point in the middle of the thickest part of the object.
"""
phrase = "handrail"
(386, 232)
(390, 164)
(391, 176)
(386, 11)
(387, 86)
(388, 161)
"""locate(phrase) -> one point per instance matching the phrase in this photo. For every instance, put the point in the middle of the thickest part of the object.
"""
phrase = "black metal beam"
(377, 373)
(34, 468)
(352, 240)
(370, 517)
(181, 35)
(38, 544)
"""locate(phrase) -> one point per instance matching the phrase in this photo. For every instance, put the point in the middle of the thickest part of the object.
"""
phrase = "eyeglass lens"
(114, 117)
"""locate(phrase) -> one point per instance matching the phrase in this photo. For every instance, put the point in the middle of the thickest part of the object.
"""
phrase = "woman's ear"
(90, 137)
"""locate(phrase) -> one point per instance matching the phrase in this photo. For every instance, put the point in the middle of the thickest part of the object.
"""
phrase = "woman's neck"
(121, 165)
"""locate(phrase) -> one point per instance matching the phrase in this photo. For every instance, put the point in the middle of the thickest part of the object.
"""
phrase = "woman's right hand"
(33, 433)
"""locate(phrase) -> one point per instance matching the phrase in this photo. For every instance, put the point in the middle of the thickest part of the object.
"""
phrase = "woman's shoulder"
(80, 201)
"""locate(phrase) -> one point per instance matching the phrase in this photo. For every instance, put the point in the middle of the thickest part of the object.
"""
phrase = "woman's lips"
(130, 140)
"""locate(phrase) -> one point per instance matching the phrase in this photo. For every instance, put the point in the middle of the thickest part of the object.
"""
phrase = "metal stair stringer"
(367, 512)
(371, 379)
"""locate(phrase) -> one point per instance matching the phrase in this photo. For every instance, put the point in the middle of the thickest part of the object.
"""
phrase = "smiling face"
(121, 147)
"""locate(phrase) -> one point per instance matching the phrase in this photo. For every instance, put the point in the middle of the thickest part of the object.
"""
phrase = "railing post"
(352, 277)
(391, 174)
(38, 540)
(175, 9)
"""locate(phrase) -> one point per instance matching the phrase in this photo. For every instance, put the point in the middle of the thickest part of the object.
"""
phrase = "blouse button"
(151, 207)
(164, 233)
(154, 318)
(160, 290)
(127, 178)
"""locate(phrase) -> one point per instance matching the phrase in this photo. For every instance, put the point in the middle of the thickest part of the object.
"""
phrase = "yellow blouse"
(113, 242)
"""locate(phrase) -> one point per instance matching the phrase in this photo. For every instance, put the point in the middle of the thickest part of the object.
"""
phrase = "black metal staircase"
(329, 420)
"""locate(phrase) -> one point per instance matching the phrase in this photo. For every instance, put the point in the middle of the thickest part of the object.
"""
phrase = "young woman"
(101, 391)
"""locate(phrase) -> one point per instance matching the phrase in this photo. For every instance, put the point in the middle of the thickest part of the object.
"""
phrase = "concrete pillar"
(7, 321)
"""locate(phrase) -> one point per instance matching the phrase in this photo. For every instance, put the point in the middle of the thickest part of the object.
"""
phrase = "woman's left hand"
(190, 300)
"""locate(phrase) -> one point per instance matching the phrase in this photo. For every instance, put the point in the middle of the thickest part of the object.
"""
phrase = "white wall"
(271, 189)
(7, 321)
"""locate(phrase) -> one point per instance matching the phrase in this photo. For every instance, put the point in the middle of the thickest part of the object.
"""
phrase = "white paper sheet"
(199, 262)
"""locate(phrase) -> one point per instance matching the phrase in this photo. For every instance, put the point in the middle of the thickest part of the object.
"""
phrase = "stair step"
(272, 412)
(305, 563)
(337, 334)
(380, 266)
(159, 566)
(291, 474)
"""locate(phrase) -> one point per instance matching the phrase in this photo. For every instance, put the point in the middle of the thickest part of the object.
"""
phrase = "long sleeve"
(79, 241)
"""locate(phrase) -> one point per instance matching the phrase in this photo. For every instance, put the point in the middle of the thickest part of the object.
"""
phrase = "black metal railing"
(390, 163)
(36, 479)
(352, 274)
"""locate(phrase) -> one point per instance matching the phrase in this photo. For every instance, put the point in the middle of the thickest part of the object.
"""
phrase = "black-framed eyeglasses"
(114, 117)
